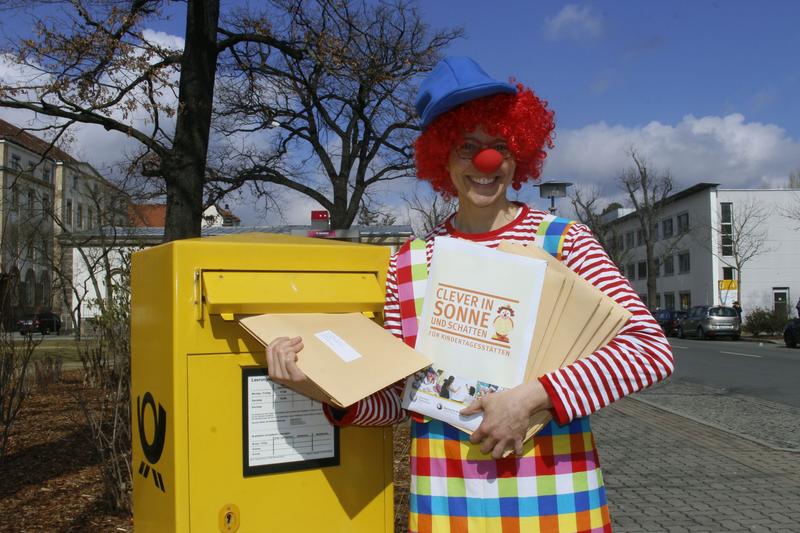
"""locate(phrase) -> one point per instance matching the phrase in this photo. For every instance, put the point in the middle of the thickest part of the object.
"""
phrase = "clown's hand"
(505, 417)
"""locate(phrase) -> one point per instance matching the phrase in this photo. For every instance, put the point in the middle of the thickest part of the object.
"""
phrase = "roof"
(228, 213)
(694, 189)
(155, 235)
(147, 216)
(33, 143)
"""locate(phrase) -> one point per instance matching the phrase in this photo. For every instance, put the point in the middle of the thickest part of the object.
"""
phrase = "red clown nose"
(488, 160)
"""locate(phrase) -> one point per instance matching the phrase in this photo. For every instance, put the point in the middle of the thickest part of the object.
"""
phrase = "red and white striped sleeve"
(382, 408)
(637, 357)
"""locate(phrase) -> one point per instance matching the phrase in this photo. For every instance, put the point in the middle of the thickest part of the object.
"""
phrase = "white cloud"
(721, 149)
(573, 22)
(166, 40)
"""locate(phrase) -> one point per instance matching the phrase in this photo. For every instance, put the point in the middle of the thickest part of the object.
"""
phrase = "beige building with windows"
(701, 233)
(44, 193)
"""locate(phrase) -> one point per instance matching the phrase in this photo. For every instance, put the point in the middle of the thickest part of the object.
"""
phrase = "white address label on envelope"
(345, 352)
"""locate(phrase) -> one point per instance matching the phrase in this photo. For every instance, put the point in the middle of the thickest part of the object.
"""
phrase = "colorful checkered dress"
(556, 485)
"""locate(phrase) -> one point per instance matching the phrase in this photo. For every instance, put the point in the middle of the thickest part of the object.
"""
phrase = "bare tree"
(794, 179)
(585, 202)
(427, 212)
(94, 65)
(375, 215)
(741, 238)
(336, 119)
(791, 209)
(647, 188)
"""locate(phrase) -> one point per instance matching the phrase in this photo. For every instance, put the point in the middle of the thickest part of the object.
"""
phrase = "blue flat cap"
(452, 82)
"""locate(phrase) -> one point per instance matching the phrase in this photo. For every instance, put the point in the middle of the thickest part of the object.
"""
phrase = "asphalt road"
(767, 371)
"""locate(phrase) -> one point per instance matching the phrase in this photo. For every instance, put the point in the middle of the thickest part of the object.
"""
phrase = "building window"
(45, 203)
(629, 240)
(631, 270)
(666, 228)
(684, 263)
(726, 228)
(683, 222)
(89, 218)
(669, 265)
(16, 162)
(68, 214)
(79, 221)
(642, 268)
(686, 300)
(46, 176)
(780, 301)
(669, 300)
(727, 272)
(639, 237)
(658, 300)
(31, 200)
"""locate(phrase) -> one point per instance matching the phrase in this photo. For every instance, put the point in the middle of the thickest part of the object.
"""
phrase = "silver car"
(708, 322)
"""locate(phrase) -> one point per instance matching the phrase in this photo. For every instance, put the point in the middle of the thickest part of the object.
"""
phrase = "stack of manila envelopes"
(574, 320)
(346, 357)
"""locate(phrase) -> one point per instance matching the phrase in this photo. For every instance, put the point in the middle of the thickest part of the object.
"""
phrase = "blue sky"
(630, 62)
(709, 91)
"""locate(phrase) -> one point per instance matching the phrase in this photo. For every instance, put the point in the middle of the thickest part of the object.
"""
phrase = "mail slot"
(216, 446)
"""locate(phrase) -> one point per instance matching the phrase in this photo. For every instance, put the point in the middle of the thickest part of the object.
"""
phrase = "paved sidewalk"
(667, 473)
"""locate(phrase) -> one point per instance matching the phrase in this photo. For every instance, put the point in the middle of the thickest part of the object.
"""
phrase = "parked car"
(668, 319)
(43, 323)
(708, 321)
(791, 334)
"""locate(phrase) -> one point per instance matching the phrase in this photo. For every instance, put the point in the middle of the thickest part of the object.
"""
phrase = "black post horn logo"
(152, 450)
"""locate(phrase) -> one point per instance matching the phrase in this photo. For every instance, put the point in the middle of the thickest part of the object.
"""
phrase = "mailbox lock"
(229, 518)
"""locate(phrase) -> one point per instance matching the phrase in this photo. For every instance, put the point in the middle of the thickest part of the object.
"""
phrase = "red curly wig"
(522, 119)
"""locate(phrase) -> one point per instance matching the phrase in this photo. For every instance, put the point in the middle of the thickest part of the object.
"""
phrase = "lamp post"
(553, 189)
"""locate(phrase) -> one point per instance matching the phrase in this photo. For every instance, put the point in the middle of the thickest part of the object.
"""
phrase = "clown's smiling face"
(478, 188)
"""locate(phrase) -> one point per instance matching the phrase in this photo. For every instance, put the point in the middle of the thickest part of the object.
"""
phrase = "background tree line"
(311, 96)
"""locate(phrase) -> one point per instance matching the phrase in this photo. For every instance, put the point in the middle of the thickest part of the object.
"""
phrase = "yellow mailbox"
(216, 446)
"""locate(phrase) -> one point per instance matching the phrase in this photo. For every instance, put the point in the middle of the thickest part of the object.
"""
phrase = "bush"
(15, 357)
(762, 320)
(47, 371)
(106, 359)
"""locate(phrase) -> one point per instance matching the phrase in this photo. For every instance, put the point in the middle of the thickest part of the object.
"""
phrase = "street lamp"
(553, 189)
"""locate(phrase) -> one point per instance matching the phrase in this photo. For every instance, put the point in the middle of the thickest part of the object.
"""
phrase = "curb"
(755, 440)
(759, 339)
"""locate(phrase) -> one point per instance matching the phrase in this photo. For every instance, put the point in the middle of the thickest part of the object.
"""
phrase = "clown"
(503, 324)
(481, 137)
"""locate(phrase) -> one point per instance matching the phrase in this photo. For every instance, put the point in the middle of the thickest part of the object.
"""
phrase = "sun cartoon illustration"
(503, 324)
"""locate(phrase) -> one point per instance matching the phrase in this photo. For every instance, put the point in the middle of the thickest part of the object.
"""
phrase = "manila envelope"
(564, 340)
(346, 357)
(613, 323)
(556, 288)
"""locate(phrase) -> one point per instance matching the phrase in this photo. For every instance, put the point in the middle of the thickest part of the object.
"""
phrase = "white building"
(697, 235)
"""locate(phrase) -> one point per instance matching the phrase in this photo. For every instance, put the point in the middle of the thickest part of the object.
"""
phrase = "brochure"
(477, 325)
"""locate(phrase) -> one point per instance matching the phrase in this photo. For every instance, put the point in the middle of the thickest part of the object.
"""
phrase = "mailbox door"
(354, 496)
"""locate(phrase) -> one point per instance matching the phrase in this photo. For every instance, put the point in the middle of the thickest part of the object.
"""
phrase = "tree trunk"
(184, 169)
(651, 275)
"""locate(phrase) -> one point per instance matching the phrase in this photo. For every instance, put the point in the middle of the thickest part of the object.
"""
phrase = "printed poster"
(477, 326)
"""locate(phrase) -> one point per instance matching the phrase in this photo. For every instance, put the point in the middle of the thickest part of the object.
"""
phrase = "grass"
(66, 348)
